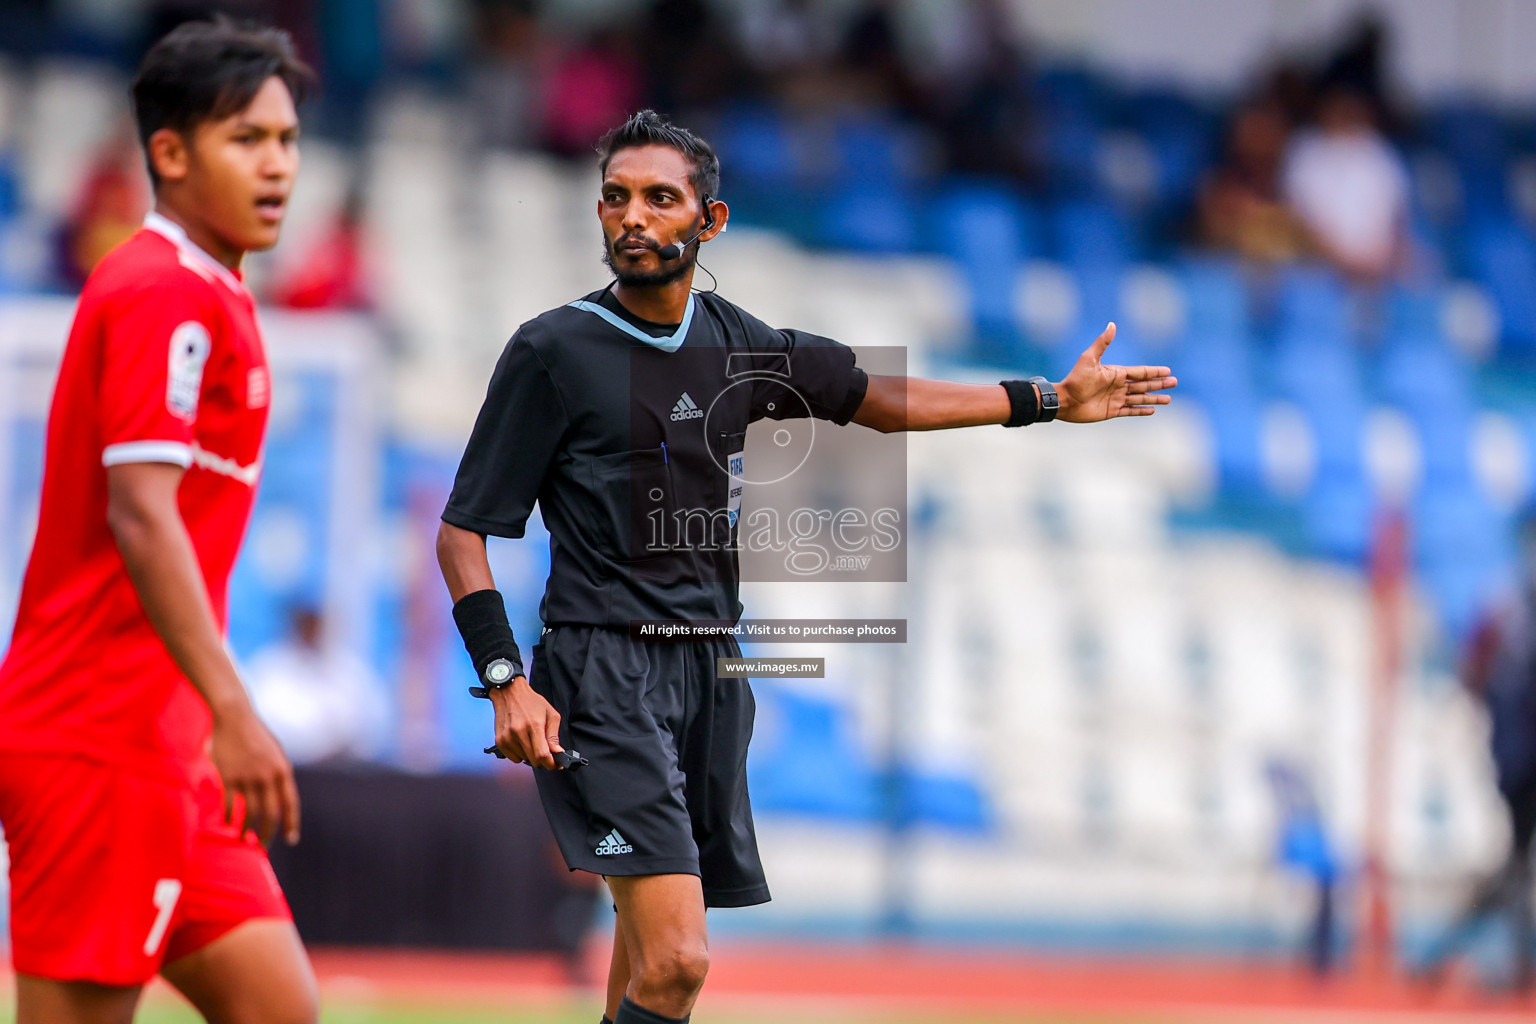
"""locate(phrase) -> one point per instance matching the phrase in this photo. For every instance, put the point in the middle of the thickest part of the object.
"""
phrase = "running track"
(879, 979)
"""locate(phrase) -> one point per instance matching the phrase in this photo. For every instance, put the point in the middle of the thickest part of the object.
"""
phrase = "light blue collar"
(670, 343)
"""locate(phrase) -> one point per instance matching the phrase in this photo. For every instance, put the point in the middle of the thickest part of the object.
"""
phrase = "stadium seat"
(805, 761)
(1092, 236)
(1476, 139)
(1181, 139)
(1339, 512)
(1216, 370)
(990, 233)
(758, 145)
(1312, 307)
(878, 219)
(1462, 548)
(1406, 363)
(1218, 299)
(1503, 258)
(1310, 368)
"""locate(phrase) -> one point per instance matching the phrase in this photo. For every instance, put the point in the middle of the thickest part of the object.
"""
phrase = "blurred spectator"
(1304, 847)
(591, 88)
(321, 701)
(352, 46)
(976, 95)
(692, 61)
(1239, 206)
(1360, 60)
(871, 57)
(332, 274)
(110, 206)
(1500, 667)
(1349, 187)
(781, 37)
(503, 84)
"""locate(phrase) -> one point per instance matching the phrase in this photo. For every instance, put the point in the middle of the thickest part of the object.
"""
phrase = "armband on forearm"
(1030, 401)
(482, 621)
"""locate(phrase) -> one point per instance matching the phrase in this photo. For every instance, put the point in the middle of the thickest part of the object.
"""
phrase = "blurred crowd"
(915, 92)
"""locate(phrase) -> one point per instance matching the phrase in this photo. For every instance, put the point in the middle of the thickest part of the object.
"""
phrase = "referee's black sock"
(633, 1013)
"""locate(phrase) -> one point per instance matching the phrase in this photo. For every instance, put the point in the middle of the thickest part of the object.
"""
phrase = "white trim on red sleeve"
(175, 452)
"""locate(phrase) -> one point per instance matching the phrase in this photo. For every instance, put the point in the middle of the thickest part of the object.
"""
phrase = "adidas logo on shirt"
(613, 844)
(686, 409)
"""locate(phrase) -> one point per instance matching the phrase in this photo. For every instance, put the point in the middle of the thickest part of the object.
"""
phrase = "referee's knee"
(676, 975)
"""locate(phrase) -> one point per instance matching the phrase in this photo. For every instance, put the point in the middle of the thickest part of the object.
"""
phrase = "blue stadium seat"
(763, 151)
(1216, 371)
(1098, 296)
(1069, 108)
(874, 151)
(945, 801)
(801, 762)
(1092, 236)
(1503, 258)
(1339, 512)
(870, 219)
(1477, 141)
(1410, 369)
(1237, 427)
(1312, 304)
(990, 234)
(756, 142)
(1181, 137)
(1218, 299)
(1310, 367)
(1461, 549)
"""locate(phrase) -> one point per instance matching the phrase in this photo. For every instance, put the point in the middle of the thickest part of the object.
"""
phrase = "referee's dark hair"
(648, 128)
(207, 70)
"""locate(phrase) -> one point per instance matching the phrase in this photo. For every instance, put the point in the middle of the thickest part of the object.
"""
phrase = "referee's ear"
(716, 215)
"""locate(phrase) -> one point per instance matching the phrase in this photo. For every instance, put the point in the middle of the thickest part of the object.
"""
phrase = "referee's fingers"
(537, 745)
(552, 730)
(509, 745)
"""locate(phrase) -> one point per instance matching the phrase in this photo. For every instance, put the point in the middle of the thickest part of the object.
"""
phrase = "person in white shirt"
(322, 703)
(1349, 187)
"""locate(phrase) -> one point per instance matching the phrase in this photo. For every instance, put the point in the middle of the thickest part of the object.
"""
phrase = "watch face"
(499, 672)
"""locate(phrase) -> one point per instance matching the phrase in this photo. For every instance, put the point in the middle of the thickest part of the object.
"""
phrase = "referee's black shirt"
(621, 430)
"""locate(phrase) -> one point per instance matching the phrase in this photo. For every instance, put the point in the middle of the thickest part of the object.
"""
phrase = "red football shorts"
(114, 874)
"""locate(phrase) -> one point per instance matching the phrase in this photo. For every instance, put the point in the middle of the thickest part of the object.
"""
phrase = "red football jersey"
(164, 363)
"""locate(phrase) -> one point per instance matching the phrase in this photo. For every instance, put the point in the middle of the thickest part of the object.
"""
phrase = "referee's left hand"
(1094, 391)
(527, 725)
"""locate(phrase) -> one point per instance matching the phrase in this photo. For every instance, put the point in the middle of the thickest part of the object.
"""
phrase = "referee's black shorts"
(666, 789)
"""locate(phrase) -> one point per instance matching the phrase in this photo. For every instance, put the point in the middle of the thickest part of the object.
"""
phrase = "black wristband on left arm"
(482, 621)
(1023, 402)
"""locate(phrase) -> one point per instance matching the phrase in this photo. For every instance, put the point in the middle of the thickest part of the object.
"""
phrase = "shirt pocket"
(632, 503)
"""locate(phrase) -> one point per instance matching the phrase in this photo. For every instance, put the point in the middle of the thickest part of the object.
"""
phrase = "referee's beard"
(666, 273)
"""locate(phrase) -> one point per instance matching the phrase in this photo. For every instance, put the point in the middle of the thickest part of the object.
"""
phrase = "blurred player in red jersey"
(137, 785)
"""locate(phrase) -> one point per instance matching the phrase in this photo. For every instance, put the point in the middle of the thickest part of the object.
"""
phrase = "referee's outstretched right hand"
(527, 725)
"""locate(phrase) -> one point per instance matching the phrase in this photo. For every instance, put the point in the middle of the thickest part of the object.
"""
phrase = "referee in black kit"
(615, 412)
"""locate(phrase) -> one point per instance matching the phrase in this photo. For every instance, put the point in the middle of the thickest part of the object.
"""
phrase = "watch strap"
(1050, 401)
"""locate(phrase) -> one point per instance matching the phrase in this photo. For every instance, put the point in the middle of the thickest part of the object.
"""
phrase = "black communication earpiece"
(673, 251)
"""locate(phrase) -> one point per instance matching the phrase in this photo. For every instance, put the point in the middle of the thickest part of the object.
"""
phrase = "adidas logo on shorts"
(686, 409)
(613, 844)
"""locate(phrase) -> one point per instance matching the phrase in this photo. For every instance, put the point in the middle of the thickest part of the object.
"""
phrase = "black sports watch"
(1050, 401)
(500, 673)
